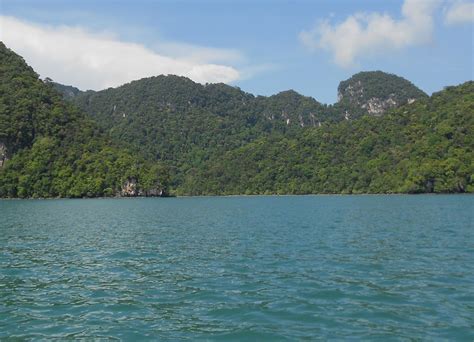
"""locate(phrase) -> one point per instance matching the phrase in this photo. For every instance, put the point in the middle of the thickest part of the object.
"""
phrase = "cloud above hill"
(372, 34)
(461, 12)
(90, 60)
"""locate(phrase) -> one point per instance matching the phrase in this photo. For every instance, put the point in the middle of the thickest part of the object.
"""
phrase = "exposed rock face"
(377, 107)
(351, 92)
(291, 109)
(156, 192)
(355, 95)
(376, 92)
(129, 188)
(3, 154)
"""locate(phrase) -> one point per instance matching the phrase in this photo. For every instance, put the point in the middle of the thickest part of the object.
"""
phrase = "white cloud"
(72, 55)
(199, 54)
(366, 34)
(459, 13)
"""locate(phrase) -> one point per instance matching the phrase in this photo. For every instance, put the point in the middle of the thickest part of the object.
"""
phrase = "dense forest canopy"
(423, 147)
(52, 149)
(185, 124)
(384, 135)
(364, 86)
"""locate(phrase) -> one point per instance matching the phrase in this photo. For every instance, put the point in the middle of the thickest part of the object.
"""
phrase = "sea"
(263, 268)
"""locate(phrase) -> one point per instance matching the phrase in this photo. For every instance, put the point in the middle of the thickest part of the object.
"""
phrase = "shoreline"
(230, 196)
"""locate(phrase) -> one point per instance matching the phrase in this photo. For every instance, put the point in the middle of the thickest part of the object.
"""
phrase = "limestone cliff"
(3, 154)
(376, 92)
(131, 188)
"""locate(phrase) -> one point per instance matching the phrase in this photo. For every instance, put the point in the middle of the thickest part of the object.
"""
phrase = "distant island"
(168, 135)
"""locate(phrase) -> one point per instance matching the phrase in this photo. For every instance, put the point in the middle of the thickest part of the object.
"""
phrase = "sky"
(261, 46)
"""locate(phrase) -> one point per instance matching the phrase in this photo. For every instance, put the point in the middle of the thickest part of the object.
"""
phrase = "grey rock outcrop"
(129, 188)
(355, 94)
(155, 192)
(375, 93)
(3, 154)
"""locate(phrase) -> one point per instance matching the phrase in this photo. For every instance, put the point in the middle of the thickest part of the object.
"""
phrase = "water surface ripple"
(238, 268)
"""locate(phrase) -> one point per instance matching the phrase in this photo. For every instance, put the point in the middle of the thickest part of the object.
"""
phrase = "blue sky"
(261, 46)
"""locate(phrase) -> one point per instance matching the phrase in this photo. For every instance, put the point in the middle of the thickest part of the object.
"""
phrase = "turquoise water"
(238, 268)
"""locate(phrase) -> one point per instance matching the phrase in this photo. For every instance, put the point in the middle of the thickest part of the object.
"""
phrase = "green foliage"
(68, 92)
(220, 140)
(423, 147)
(55, 150)
(385, 90)
(182, 123)
(168, 131)
(378, 84)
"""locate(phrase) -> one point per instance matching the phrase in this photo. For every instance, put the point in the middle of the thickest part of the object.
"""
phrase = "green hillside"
(423, 147)
(184, 124)
(167, 132)
(49, 148)
(375, 92)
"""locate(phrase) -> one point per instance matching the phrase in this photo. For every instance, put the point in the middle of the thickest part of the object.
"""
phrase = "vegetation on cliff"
(373, 93)
(383, 136)
(220, 140)
(423, 147)
(185, 124)
(55, 150)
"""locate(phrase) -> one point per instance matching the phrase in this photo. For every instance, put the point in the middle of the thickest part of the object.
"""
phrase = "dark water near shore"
(239, 268)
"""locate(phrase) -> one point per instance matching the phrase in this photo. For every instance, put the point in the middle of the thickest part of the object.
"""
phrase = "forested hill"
(383, 136)
(165, 97)
(423, 147)
(184, 124)
(221, 140)
(49, 148)
(374, 93)
(67, 91)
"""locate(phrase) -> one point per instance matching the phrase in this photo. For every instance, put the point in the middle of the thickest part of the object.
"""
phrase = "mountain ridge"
(400, 88)
(172, 133)
(183, 123)
(423, 147)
